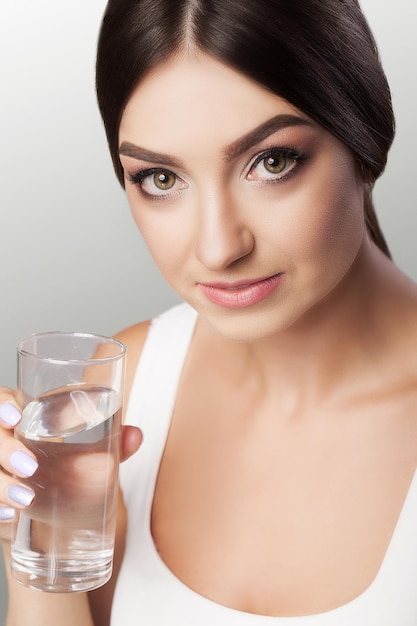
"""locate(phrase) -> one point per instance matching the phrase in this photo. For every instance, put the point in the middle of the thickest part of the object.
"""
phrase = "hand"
(16, 459)
(130, 442)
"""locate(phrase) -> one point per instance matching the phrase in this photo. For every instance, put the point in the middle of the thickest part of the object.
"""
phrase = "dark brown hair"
(319, 55)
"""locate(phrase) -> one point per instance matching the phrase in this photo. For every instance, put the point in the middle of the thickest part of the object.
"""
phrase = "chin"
(249, 325)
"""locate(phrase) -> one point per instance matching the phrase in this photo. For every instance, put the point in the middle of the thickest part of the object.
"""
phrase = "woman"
(276, 481)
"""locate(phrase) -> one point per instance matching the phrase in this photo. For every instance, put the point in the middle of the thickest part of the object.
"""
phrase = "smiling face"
(252, 212)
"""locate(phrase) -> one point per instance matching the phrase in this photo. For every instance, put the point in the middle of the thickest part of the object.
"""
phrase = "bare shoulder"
(134, 338)
(135, 333)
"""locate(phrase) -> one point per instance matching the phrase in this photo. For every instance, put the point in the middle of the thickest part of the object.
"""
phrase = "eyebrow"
(234, 150)
(276, 123)
(143, 154)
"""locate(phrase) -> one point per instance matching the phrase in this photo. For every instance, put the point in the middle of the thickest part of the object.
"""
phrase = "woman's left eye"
(273, 165)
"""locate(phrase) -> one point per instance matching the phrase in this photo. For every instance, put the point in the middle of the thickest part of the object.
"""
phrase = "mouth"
(241, 293)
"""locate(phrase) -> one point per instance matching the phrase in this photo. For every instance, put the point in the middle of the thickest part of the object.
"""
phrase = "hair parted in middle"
(319, 55)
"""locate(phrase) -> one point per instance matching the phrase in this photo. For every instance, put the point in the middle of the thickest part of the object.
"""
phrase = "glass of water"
(70, 387)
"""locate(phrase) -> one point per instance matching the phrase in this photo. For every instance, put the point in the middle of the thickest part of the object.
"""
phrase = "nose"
(223, 237)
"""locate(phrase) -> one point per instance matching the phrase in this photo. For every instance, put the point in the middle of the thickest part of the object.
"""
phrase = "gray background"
(70, 255)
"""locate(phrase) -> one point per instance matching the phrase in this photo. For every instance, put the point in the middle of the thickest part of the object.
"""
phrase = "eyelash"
(289, 154)
(138, 178)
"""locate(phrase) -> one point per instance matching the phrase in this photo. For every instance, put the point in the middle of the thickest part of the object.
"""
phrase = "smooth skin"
(293, 436)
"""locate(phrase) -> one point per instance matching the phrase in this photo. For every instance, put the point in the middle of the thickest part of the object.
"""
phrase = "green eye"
(164, 180)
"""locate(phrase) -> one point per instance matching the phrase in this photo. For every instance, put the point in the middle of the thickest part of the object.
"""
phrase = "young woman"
(276, 482)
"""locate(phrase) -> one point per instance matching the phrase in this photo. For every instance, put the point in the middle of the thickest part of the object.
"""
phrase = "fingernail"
(21, 495)
(23, 463)
(9, 414)
(6, 513)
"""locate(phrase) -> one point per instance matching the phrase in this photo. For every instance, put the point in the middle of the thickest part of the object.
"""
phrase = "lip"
(240, 294)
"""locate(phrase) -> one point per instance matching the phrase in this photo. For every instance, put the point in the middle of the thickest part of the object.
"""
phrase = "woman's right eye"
(157, 183)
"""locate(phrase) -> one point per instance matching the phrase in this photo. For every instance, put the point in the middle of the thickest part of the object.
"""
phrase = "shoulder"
(174, 324)
(134, 338)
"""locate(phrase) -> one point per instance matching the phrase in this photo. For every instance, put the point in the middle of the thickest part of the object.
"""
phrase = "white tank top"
(149, 594)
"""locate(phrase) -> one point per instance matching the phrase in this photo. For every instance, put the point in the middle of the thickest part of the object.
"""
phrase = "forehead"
(194, 95)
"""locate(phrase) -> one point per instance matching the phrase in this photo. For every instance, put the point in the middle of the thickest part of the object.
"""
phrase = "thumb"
(131, 441)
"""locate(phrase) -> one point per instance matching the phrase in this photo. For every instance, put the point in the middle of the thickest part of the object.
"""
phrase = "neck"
(335, 351)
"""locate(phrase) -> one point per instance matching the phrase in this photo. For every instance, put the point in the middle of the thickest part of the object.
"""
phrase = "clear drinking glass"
(70, 387)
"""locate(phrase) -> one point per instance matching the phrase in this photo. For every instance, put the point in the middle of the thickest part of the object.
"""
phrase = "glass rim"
(103, 339)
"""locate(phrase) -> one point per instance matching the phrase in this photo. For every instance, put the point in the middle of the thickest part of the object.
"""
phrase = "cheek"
(163, 234)
(330, 224)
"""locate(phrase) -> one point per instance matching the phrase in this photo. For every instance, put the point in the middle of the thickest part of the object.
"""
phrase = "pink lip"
(240, 294)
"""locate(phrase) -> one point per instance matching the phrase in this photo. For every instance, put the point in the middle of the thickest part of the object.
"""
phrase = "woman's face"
(252, 212)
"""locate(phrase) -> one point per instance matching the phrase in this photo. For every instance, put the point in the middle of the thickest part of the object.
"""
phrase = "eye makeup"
(281, 158)
(275, 164)
(163, 181)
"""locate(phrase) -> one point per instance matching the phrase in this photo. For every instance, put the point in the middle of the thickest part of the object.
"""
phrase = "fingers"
(131, 441)
(14, 494)
(7, 513)
(14, 459)
(9, 411)
(19, 462)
